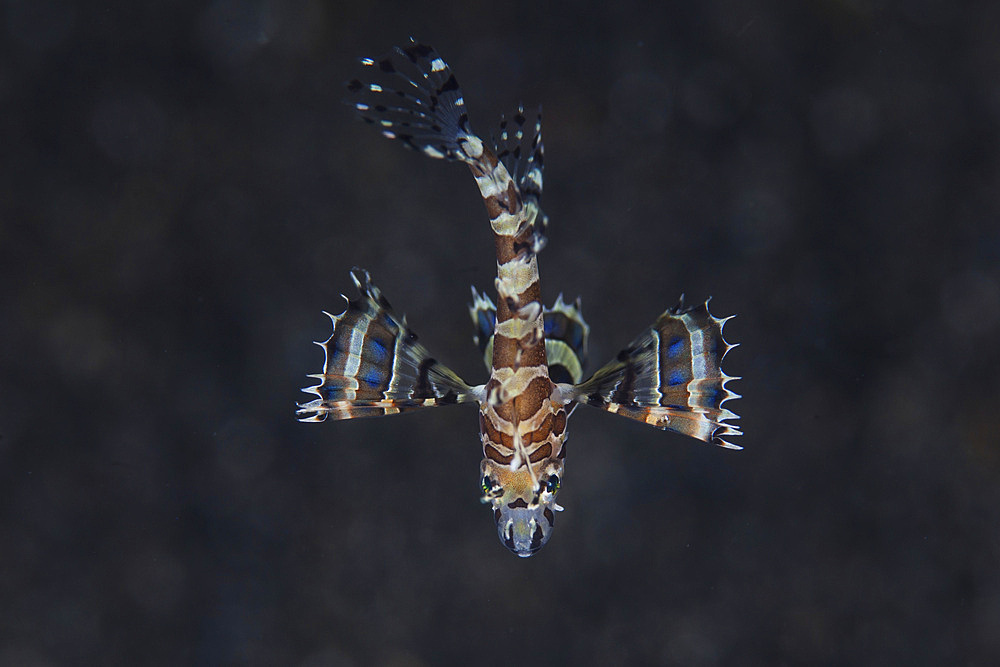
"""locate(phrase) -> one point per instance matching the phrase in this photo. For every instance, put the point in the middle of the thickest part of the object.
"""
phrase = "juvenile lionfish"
(668, 377)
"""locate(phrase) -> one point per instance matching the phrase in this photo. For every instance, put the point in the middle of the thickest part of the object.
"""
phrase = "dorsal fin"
(523, 155)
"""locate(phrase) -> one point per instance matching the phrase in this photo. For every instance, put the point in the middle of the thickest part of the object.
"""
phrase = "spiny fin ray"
(374, 365)
(524, 157)
(669, 377)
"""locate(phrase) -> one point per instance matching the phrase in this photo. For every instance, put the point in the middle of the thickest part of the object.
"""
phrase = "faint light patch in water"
(760, 220)
(926, 12)
(233, 30)
(714, 95)
(970, 302)
(129, 127)
(328, 657)
(15, 412)
(135, 452)
(39, 25)
(690, 640)
(244, 449)
(987, 609)
(80, 342)
(844, 122)
(74, 621)
(970, 307)
(641, 103)
(400, 658)
(299, 25)
(24, 656)
(137, 219)
(6, 83)
(977, 425)
(155, 581)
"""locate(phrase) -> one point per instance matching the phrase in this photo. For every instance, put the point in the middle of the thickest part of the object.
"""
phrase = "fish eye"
(552, 485)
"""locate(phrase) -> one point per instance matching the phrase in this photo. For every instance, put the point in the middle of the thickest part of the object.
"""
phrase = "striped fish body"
(668, 377)
(523, 419)
(523, 497)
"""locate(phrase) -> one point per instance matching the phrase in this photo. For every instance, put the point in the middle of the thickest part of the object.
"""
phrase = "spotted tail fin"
(411, 95)
(375, 366)
(669, 377)
(566, 335)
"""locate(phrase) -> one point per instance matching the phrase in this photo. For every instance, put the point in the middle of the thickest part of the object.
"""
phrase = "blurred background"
(183, 193)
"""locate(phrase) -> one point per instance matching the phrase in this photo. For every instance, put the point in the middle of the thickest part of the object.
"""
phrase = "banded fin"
(669, 377)
(484, 318)
(566, 335)
(524, 160)
(411, 94)
(374, 365)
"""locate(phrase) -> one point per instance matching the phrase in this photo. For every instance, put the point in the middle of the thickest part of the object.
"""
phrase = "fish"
(668, 377)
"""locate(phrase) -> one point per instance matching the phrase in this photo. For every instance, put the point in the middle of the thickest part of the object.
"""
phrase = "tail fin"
(669, 377)
(412, 95)
(374, 365)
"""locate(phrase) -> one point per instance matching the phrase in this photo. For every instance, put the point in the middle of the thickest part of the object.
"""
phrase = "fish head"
(523, 502)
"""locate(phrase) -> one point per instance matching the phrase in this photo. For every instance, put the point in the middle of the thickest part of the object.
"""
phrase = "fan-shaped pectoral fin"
(670, 378)
(375, 366)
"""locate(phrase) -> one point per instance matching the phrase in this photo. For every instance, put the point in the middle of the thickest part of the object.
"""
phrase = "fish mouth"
(522, 551)
(522, 534)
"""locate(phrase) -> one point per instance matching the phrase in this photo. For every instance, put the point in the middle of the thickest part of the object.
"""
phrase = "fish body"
(668, 377)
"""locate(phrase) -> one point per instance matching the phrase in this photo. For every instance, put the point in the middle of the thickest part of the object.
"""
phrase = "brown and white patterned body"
(668, 377)
(522, 421)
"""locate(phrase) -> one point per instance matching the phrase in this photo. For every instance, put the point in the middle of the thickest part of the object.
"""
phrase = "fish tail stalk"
(413, 97)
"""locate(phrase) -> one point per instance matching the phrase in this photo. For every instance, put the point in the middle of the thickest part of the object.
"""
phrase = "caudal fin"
(412, 95)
